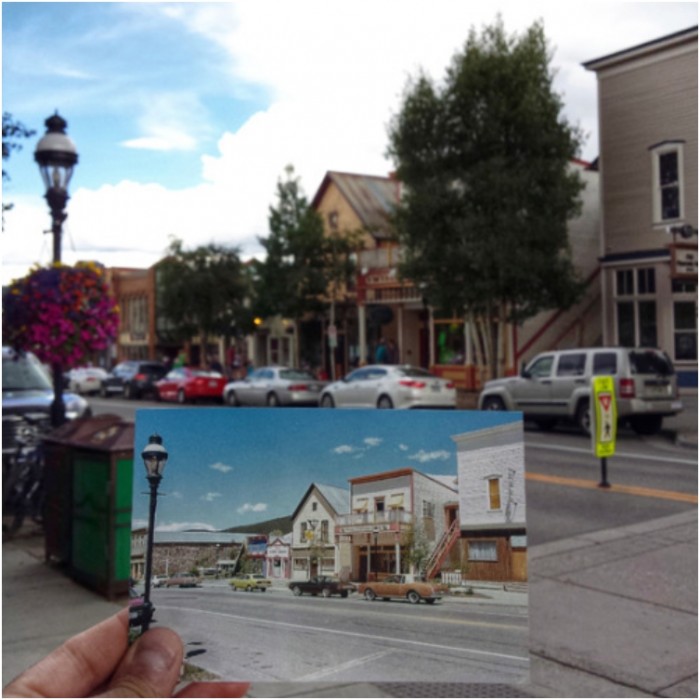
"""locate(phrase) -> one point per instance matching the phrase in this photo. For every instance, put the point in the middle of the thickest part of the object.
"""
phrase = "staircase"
(442, 549)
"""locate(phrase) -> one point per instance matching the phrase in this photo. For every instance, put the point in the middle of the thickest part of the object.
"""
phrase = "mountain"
(283, 524)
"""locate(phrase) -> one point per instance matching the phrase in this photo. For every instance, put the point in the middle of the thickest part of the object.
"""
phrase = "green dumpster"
(97, 455)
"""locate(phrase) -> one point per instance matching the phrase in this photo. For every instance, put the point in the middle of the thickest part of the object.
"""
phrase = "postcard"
(336, 545)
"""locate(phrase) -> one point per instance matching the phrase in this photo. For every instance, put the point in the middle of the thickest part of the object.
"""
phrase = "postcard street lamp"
(154, 457)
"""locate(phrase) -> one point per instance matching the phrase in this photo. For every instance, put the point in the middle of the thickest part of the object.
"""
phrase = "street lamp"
(154, 457)
(56, 155)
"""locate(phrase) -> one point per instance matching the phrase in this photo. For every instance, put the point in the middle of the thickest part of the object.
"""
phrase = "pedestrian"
(180, 360)
(381, 353)
(392, 352)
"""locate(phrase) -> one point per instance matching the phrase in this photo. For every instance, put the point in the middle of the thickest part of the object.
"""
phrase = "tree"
(417, 546)
(204, 292)
(302, 265)
(12, 130)
(485, 160)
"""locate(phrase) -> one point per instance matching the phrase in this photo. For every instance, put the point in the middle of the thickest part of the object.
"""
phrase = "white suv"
(556, 386)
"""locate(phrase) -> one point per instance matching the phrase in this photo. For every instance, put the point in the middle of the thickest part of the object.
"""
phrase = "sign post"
(603, 423)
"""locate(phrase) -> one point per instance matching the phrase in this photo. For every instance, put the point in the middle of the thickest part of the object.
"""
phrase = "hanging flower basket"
(62, 314)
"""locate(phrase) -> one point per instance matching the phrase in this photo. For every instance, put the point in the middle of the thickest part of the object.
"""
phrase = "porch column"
(362, 332)
(397, 552)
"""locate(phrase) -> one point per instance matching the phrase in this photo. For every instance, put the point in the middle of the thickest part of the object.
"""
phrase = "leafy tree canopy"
(485, 160)
(12, 131)
(205, 290)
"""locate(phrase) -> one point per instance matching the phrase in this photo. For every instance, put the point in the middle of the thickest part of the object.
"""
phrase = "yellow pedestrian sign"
(604, 416)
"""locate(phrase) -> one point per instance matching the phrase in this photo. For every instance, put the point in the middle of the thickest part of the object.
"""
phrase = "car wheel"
(326, 592)
(370, 594)
(583, 416)
(413, 597)
(296, 590)
(231, 399)
(344, 594)
(327, 401)
(385, 401)
(493, 403)
(273, 400)
(181, 398)
(646, 425)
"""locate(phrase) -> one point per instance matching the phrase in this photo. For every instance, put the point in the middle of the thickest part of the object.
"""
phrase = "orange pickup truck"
(404, 586)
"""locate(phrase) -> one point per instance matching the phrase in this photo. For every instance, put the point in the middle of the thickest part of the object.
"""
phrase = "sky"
(185, 115)
(233, 467)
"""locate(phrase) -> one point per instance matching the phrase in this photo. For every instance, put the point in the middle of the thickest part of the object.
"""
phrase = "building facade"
(648, 123)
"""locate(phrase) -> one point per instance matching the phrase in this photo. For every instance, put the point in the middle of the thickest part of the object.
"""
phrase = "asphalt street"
(275, 636)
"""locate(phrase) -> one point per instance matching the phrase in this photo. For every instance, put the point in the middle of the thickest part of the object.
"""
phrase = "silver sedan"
(274, 386)
(390, 386)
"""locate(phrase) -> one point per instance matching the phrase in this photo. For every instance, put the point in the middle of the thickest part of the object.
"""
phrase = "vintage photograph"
(305, 545)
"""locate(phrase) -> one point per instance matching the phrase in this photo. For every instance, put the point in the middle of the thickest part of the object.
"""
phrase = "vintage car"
(322, 585)
(250, 582)
(404, 586)
(183, 580)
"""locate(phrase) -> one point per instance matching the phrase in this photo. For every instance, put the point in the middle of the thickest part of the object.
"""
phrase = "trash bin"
(89, 501)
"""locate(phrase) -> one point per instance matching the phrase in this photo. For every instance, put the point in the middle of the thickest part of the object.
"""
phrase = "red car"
(185, 384)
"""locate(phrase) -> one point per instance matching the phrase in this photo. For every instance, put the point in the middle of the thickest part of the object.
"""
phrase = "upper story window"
(667, 185)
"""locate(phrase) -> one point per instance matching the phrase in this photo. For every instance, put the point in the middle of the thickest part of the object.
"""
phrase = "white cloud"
(221, 467)
(404, 448)
(252, 508)
(373, 441)
(211, 496)
(423, 456)
(344, 449)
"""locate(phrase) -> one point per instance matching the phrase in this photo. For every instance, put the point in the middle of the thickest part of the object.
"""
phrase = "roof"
(661, 44)
(373, 199)
(337, 498)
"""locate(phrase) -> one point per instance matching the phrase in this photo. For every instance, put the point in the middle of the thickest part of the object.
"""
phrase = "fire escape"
(442, 549)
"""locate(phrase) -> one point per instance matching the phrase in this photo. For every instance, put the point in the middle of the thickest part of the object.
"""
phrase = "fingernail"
(154, 654)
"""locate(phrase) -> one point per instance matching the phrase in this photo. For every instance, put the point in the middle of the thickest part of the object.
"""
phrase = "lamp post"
(56, 156)
(154, 457)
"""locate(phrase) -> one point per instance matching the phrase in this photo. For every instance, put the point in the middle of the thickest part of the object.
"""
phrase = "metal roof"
(338, 498)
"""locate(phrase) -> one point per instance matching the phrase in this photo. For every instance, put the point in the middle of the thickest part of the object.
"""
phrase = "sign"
(333, 336)
(603, 416)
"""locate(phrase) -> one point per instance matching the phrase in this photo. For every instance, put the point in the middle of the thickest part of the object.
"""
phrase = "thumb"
(150, 668)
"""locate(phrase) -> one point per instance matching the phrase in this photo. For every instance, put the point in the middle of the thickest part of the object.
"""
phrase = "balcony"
(366, 522)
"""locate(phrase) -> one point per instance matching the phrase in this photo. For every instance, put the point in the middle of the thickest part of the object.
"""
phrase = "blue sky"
(185, 115)
(230, 467)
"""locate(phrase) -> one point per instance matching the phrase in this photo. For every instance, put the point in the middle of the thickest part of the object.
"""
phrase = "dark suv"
(134, 379)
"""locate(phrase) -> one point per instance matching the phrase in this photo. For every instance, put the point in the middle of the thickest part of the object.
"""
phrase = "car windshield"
(24, 373)
(650, 362)
(295, 374)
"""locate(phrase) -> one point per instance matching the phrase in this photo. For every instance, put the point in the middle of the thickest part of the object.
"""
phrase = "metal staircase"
(442, 549)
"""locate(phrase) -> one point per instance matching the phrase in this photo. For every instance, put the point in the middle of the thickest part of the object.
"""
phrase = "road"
(649, 477)
(275, 636)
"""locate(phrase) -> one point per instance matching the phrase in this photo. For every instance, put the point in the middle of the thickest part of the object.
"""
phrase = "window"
(494, 494)
(685, 331)
(314, 505)
(604, 363)
(483, 551)
(302, 532)
(428, 509)
(636, 311)
(324, 531)
(379, 504)
(541, 367)
(667, 173)
(571, 365)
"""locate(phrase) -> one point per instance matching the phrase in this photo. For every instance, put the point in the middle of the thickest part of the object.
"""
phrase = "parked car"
(390, 386)
(250, 582)
(185, 384)
(275, 386)
(183, 580)
(27, 395)
(158, 581)
(86, 380)
(404, 586)
(133, 378)
(556, 386)
(324, 586)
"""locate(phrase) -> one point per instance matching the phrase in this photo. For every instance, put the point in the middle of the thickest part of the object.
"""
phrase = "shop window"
(483, 551)
(636, 312)
(685, 330)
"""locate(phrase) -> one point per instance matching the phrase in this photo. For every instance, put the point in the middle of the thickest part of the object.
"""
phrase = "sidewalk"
(612, 614)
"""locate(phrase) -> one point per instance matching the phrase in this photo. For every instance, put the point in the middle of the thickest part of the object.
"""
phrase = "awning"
(396, 500)
(362, 505)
